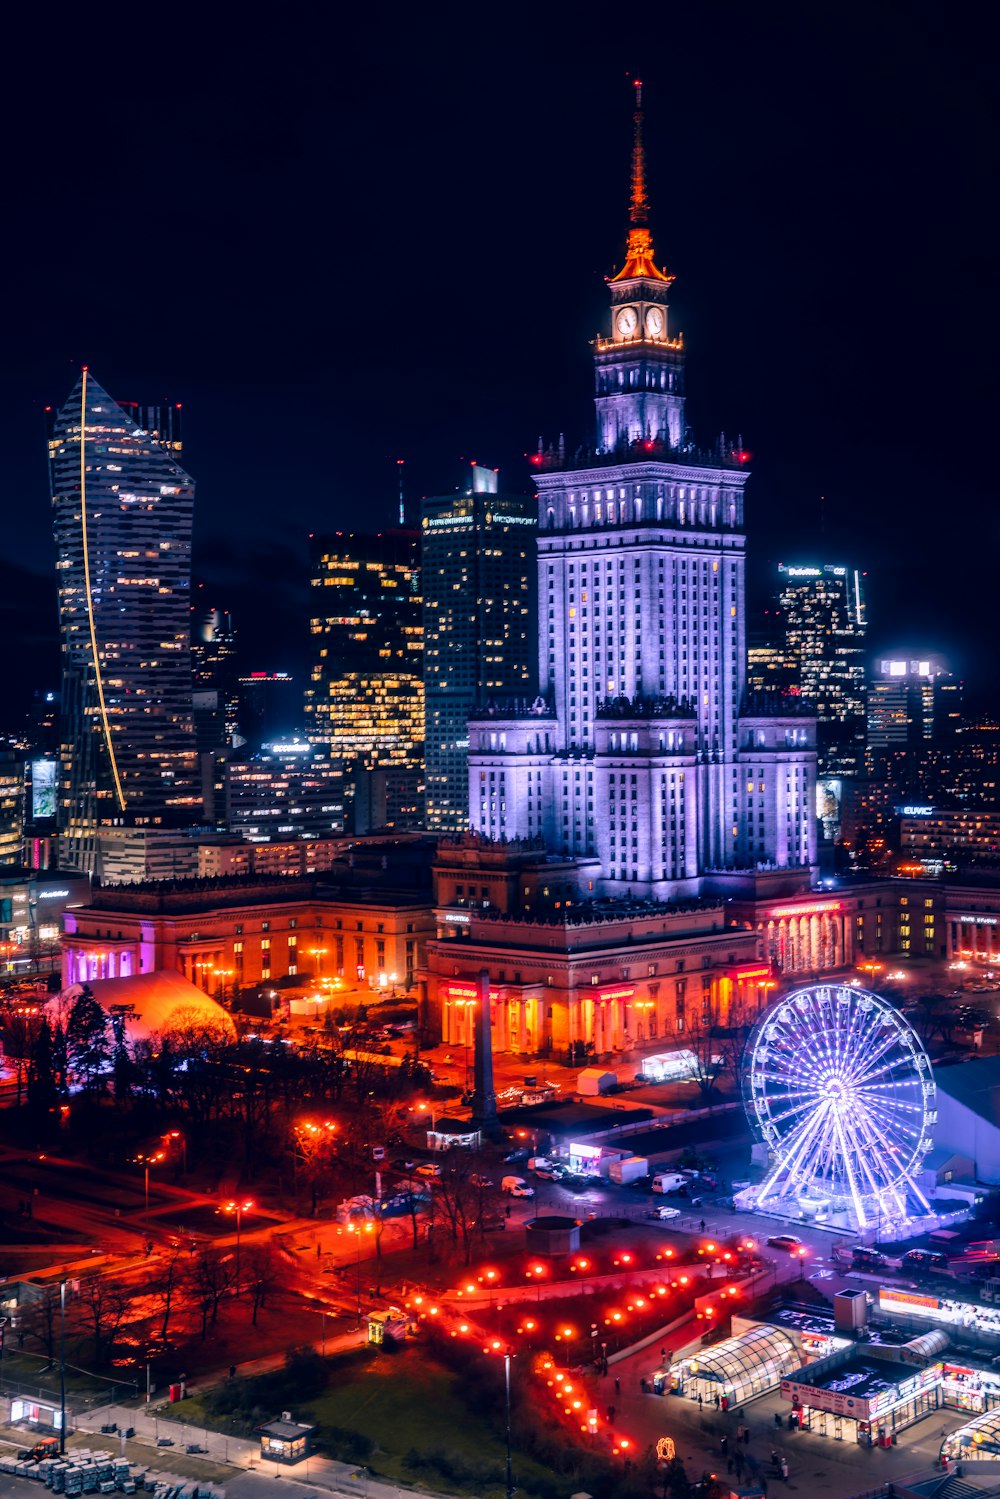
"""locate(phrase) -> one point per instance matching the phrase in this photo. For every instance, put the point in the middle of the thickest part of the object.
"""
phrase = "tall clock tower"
(639, 369)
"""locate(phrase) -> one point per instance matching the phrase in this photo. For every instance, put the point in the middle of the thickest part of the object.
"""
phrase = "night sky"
(340, 244)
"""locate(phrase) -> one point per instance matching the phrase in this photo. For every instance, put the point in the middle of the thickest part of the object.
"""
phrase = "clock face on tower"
(654, 322)
(627, 321)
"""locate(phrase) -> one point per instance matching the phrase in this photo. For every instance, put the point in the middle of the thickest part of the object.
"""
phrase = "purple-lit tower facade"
(642, 757)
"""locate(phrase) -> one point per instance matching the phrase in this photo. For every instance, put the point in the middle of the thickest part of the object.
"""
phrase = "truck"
(628, 1170)
(668, 1181)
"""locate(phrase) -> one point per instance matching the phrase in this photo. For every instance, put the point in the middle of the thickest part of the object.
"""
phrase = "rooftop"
(974, 1084)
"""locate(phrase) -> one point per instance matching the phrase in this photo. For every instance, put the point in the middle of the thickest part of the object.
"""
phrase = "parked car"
(480, 1181)
(785, 1241)
(546, 1173)
(663, 1212)
(429, 1168)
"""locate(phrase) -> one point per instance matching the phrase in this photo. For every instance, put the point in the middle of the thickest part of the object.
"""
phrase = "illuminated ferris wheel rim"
(840, 1087)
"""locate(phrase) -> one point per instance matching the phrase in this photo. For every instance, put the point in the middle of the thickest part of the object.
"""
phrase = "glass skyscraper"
(122, 514)
(365, 698)
(822, 616)
(480, 599)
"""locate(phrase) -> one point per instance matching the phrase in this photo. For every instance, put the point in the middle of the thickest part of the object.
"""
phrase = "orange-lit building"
(228, 935)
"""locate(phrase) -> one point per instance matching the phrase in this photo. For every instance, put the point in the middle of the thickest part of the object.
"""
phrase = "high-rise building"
(643, 756)
(11, 808)
(216, 695)
(288, 789)
(270, 708)
(365, 699)
(122, 513)
(480, 573)
(911, 702)
(823, 621)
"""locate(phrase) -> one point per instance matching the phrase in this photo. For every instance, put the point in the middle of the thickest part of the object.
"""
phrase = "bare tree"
(212, 1275)
(41, 1320)
(459, 1196)
(167, 1287)
(261, 1275)
(101, 1307)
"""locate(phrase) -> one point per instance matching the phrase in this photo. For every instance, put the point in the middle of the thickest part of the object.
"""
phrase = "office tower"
(215, 689)
(480, 573)
(365, 699)
(824, 625)
(911, 703)
(642, 756)
(122, 512)
(11, 808)
(288, 789)
(270, 707)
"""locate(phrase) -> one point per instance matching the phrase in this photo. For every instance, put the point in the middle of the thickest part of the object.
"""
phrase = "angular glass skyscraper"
(122, 514)
(480, 573)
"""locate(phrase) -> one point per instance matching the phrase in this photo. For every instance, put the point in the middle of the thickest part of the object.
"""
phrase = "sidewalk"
(234, 1461)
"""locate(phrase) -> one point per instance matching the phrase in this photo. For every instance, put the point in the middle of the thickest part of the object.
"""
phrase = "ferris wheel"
(840, 1087)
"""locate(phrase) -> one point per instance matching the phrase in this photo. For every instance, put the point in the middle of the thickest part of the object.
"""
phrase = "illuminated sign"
(901, 1301)
(512, 520)
(43, 788)
(52, 894)
(817, 909)
(457, 918)
(753, 973)
(586, 1152)
(449, 520)
(978, 920)
(803, 572)
(916, 809)
(466, 993)
(622, 991)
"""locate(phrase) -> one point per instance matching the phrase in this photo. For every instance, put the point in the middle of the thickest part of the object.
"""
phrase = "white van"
(516, 1186)
(668, 1181)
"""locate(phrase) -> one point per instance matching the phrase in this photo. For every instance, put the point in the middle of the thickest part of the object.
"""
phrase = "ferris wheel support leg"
(859, 1206)
(792, 1168)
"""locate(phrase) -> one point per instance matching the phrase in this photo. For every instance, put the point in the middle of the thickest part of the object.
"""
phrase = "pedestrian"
(663, 1356)
(508, 1210)
(618, 1385)
(716, 1402)
(701, 1225)
(699, 1401)
(739, 1432)
(784, 1469)
(725, 1402)
(746, 1436)
(777, 1418)
(643, 1386)
(724, 1444)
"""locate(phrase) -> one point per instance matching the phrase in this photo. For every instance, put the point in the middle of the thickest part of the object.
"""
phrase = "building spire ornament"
(639, 262)
(638, 208)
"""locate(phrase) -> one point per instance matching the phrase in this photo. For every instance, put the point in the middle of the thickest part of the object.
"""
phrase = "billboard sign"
(44, 779)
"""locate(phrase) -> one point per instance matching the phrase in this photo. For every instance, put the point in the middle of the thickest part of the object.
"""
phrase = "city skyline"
(853, 192)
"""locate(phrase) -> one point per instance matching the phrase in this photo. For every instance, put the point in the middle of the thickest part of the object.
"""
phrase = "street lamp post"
(239, 1208)
(506, 1374)
(355, 1229)
(62, 1367)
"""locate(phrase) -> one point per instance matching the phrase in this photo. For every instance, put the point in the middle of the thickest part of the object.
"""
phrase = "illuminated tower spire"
(639, 249)
(638, 208)
(639, 369)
